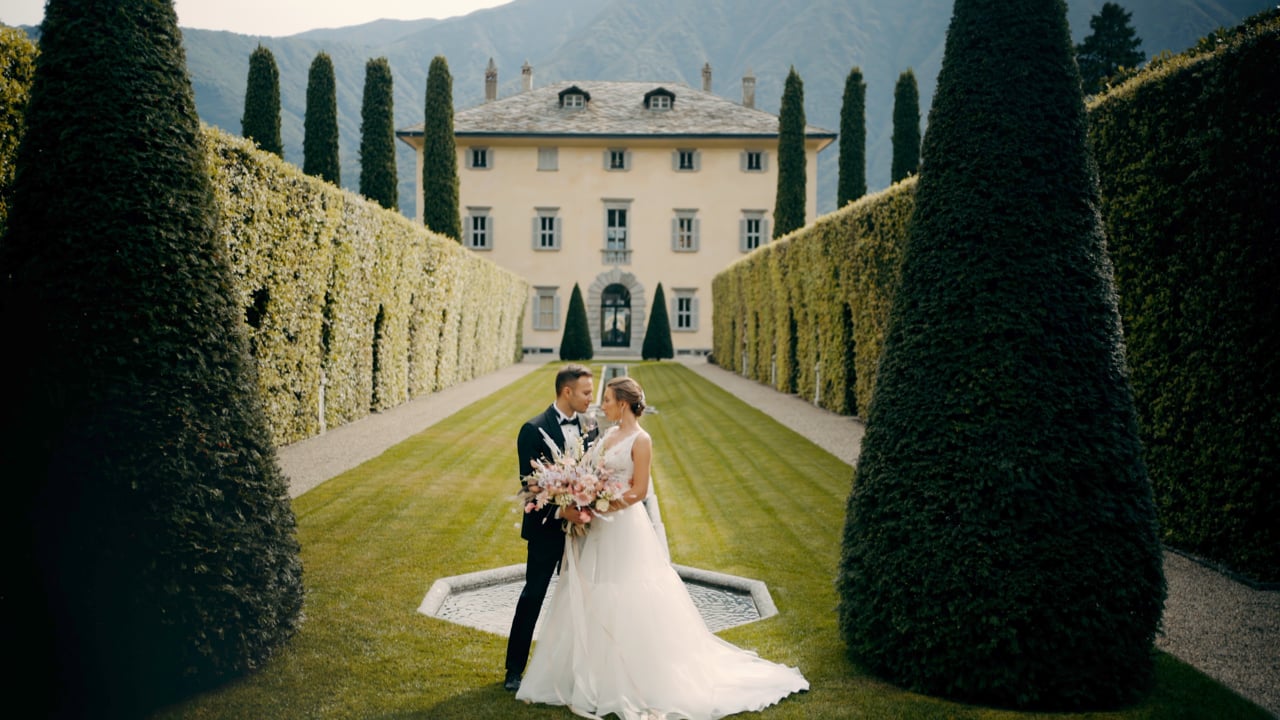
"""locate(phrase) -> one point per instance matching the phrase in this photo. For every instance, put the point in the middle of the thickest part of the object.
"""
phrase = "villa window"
(479, 158)
(548, 158)
(685, 310)
(753, 230)
(754, 161)
(685, 227)
(617, 246)
(574, 101)
(686, 160)
(546, 229)
(546, 308)
(617, 159)
(477, 228)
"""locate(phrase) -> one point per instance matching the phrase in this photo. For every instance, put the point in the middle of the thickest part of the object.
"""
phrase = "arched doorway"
(615, 316)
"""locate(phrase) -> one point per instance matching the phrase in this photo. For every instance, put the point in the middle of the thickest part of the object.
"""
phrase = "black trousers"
(544, 558)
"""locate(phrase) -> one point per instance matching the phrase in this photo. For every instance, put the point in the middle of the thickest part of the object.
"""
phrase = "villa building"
(618, 186)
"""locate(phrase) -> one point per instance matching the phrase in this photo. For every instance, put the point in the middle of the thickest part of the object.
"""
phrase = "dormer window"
(574, 98)
(659, 99)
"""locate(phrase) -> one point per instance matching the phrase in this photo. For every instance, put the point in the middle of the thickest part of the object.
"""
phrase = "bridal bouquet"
(576, 477)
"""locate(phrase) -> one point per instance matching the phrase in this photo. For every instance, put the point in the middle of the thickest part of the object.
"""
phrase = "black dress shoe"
(512, 683)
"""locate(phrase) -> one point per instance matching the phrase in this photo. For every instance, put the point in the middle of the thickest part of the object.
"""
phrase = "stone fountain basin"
(486, 600)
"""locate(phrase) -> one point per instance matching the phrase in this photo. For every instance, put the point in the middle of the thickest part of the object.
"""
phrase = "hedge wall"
(807, 313)
(1195, 237)
(350, 301)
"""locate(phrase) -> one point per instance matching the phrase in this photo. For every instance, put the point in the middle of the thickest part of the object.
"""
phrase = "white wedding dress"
(622, 636)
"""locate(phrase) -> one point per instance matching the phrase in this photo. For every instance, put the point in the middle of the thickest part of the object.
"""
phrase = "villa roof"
(615, 109)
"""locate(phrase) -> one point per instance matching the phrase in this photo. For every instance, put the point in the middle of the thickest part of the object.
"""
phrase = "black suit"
(545, 536)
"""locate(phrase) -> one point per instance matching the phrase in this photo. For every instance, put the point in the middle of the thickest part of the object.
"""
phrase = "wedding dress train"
(622, 636)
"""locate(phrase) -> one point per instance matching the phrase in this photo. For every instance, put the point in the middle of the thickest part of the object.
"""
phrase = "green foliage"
(657, 336)
(779, 314)
(1194, 235)
(320, 127)
(378, 137)
(439, 155)
(17, 66)
(906, 127)
(789, 203)
(1000, 545)
(1112, 44)
(853, 140)
(261, 120)
(152, 538)
(313, 266)
(575, 344)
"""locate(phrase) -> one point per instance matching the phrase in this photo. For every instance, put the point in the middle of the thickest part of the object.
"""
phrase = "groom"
(542, 528)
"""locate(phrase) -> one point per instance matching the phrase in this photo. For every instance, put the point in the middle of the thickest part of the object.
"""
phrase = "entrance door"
(615, 317)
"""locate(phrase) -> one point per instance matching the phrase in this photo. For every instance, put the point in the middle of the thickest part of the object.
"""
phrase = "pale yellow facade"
(679, 226)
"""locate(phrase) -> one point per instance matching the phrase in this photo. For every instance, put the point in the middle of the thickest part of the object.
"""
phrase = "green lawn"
(740, 494)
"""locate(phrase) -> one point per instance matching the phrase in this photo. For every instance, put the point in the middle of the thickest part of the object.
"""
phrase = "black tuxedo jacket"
(531, 445)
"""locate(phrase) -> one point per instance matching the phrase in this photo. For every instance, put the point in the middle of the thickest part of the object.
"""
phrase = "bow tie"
(568, 421)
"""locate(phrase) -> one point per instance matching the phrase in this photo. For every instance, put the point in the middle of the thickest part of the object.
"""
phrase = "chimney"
(706, 77)
(749, 89)
(526, 76)
(491, 82)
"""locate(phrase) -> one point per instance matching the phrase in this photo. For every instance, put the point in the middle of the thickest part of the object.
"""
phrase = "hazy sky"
(277, 17)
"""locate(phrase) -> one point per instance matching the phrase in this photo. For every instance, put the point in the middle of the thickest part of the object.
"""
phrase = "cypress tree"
(575, 344)
(788, 206)
(906, 127)
(853, 140)
(261, 121)
(1000, 545)
(152, 545)
(378, 180)
(320, 126)
(1112, 44)
(439, 155)
(657, 336)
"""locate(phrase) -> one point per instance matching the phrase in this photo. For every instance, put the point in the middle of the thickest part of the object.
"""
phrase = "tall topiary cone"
(852, 182)
(575, 344)
(657, 336)
(439, 154)
(790, 197)
(1000, 545)
(378, 180)
(261, 120)
(320, 125)
(906, 127)
(152, 546)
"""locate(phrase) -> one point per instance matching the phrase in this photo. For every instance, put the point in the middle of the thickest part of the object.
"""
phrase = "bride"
(621, 634)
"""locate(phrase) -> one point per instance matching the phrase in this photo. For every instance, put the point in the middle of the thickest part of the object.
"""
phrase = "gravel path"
(1226, 629)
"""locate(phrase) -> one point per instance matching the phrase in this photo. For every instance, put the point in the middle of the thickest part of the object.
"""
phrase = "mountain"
(660, 40)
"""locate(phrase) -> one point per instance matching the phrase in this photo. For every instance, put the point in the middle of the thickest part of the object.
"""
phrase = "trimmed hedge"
(17, 67)
(1195, 235)
(807, 313)
(315, 268)
(657, 336)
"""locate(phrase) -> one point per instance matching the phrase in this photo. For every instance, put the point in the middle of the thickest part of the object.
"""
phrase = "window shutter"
(555, 320)
(742, 235)
(626, 159)
(742, 161)
(675, 233)
(693, 313)
(488, 158)
(765, 234)
(555, 229)
(466, 157)
(536, 224)
(697, 233)
(488, 232)
(764, 161)
(608, 155)
(675, 160)
(697, 160)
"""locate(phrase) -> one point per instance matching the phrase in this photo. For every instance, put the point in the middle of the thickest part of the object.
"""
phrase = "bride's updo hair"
(629, 392)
